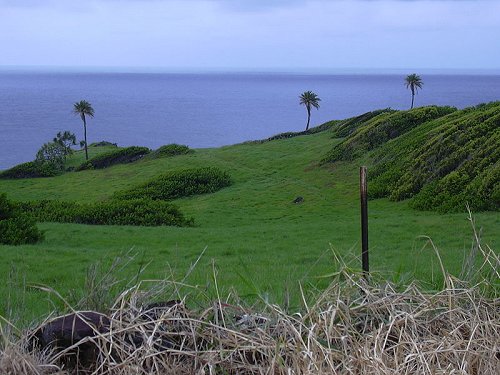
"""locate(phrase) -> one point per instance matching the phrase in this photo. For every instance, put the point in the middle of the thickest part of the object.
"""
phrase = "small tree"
(413, 82)
(309, 99)
(84, 108)
(55, 152)
(66, 139)
(51, 153)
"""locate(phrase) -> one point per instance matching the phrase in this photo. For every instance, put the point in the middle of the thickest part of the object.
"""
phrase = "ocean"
(203, 110)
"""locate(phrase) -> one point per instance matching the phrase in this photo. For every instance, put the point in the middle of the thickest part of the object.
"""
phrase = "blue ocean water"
(203, 110)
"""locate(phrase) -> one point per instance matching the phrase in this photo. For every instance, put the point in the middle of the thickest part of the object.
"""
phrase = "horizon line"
(240, 70)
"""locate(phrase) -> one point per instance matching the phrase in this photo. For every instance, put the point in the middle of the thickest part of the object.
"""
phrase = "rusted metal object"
(72, 335)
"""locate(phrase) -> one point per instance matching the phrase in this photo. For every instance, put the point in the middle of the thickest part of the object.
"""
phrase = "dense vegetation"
(381, 128)
(103, 144)
(179, 184)
(135, 206)
(345, 128)
(338, 128)
(30, 169)
(443, 159)
(118, 156)
(172, 149)
(16, 228)
(55, 153)
(131, 212)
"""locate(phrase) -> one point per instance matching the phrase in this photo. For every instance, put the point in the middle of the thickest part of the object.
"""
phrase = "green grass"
(260, 241)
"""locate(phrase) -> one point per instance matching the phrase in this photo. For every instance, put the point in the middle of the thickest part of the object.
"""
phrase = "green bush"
(441, 158)
(444, 164)
(119, 156)
(340, 128)
(384, 183)
(142, 212)
(103, 144)
(170, 150)
(7, 208)
(31, 169)
(453, 192)
(345, 128)
(16, 228)
(179, 184)
(381, 128)
(53, 154)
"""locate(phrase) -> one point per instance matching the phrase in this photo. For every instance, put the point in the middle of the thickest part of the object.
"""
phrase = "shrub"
(340, 128)
(444, 164)
(103, 144)
(53, 154)
(31, 169)
(171, 150)
(179, 184)
(19, 230)
(142, 212)
(16, 228)
(65, 139)
(119, 156)
(345, 128)
(7, 208)
(454, 191)
(380, 129)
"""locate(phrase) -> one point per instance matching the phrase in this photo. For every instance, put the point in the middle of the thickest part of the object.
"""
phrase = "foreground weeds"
(351, 329)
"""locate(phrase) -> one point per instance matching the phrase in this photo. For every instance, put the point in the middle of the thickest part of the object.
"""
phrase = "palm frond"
(309, 98)
(413, 81)
(83, 107)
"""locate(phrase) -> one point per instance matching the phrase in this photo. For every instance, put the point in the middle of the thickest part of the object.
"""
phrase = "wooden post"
(364, 221)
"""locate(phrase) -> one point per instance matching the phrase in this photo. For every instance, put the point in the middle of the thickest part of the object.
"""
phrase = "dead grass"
(351, 329)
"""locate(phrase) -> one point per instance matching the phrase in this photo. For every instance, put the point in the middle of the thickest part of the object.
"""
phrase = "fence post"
(363, 187)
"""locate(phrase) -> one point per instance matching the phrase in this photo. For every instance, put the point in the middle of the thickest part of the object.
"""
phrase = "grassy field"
(260, 242)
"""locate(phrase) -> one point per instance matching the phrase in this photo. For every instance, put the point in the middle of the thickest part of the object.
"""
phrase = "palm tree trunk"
(412, 98)
(85, 137)
(308, 118)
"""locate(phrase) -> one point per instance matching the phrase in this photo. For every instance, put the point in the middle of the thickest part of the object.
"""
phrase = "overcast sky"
(251, 34)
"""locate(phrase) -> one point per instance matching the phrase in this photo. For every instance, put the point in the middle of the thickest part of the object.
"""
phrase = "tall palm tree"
(309, 99)
(83, 108)
(413, 82)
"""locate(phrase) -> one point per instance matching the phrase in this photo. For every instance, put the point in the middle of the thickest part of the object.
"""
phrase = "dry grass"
(353, 327)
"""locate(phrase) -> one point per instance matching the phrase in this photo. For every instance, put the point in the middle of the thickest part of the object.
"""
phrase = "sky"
(251, 35)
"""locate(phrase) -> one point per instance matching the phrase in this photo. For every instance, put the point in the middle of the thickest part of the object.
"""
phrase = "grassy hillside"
(440, 157)
(375, 130)
(252, 235)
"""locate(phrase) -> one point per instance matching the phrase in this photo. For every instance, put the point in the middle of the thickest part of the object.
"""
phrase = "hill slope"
(440, 157)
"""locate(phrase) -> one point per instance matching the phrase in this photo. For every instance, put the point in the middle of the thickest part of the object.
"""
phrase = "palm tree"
(413, 82)
(83, 108)
(309, 99)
